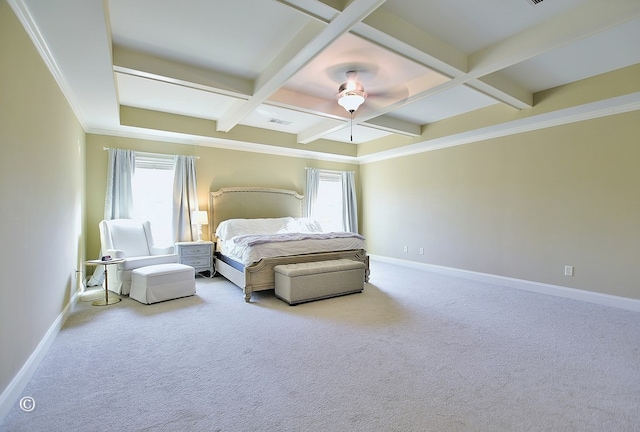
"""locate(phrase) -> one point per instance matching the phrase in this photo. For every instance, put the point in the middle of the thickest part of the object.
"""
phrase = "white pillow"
(235, 227)
(302, 225)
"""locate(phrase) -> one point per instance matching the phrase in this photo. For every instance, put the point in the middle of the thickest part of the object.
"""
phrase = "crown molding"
(29, 24)
(245, 146)
(603, 108)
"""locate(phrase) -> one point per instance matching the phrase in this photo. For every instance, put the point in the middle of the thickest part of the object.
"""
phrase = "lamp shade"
(351, 94)
(199, 217)
(351, 101)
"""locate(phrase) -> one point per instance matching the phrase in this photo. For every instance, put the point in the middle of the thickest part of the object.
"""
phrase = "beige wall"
(215, 167)
(42, 154)
(522, 206)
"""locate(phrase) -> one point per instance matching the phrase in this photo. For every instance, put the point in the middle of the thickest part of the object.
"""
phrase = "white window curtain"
(311, 193)
(118, 201)
(349, 203)
(185, 198)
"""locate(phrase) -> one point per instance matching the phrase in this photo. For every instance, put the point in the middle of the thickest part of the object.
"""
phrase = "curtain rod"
(326, 170)
(148, 153)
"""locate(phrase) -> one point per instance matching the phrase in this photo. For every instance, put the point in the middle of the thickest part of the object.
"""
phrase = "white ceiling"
(278, 64)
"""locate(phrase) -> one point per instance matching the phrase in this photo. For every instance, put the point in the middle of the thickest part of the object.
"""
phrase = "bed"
(276, 208)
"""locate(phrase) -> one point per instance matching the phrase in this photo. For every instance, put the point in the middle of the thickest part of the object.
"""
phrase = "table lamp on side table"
(199, 217)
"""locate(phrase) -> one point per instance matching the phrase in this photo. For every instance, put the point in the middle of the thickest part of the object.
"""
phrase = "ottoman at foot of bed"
(304, 282)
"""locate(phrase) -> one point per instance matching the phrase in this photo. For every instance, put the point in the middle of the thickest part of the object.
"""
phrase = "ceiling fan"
(351, 94)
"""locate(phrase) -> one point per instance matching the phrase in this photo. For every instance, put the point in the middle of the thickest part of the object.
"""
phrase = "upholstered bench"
(162, 282)
(303, 282)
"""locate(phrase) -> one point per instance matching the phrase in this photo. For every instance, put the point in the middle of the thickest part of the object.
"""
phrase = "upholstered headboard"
(251, 203)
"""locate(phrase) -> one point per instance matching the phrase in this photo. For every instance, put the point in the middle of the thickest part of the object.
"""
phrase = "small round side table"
(105, 263)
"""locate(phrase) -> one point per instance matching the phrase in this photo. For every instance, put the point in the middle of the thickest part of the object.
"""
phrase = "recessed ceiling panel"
(239, 38)
(280, 119)
(473, 25)
(455, 101)
(295, 122)
(600, 53)
(360, 134)
(160, 96)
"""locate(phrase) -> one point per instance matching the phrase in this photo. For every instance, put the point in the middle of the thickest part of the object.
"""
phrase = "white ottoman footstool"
(162, 282)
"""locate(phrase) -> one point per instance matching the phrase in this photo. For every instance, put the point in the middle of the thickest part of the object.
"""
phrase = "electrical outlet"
(406, 248)
(568, 270)
(421, 250)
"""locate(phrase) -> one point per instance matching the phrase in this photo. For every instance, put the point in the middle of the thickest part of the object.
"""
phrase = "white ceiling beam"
(392, 32)
(148, 66)
(502, 89)
(576, 24)
(313, 8)
(305, 103)
(416, 89)
(389, 31)
(480, 70)
(385, 123)
(293, 58)
(325, 127)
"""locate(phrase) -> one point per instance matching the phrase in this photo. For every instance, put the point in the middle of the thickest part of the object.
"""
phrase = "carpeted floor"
(416, 351)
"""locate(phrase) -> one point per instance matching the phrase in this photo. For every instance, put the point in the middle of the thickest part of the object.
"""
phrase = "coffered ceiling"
(248, 68)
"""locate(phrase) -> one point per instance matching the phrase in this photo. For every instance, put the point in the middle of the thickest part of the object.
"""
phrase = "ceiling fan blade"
(364, 72)
(394, 96)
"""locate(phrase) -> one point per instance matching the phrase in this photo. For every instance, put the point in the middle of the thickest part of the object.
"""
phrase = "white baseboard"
(542, 288)
(15, 388)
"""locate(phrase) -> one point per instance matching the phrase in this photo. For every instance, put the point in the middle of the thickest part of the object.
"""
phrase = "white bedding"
(248, 255)
(236, 235)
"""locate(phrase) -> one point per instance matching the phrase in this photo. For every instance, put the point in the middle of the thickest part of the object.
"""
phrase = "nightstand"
(198, 255)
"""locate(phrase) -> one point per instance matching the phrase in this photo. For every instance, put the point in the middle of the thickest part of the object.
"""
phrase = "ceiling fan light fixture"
(351, 95)
(351, 102)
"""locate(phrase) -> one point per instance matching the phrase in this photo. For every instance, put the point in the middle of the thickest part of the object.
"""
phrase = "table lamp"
(199, 217)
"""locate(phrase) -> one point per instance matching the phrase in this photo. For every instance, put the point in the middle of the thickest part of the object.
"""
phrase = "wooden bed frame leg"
(367, 270)
(247, 294)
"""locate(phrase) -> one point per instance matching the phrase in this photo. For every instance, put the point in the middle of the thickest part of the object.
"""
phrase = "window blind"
(154, 161)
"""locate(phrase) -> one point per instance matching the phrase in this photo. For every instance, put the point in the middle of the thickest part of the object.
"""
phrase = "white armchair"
(133, 241)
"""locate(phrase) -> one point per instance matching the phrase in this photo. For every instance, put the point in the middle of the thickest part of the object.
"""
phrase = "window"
(152, 186)
(331, 199)
(328, 206)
